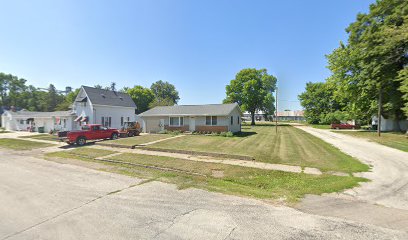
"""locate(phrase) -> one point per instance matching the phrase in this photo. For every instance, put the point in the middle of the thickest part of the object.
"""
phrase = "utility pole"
(276, 115)
(379, 112)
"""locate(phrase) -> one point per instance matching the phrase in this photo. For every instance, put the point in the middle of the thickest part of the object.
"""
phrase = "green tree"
(52, 98)
(143, 97)
(252, 89)
(365, 69)
(165, 93)
(68, 101)
(318, 101)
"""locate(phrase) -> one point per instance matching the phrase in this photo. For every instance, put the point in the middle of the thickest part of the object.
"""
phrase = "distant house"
(92, 105)
(259, 116)
(25, 120)
(390, 124)
(291, 115)
(201, 118)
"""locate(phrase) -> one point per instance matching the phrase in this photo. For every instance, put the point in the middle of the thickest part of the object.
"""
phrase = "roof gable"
(192, 110)
(105, 97)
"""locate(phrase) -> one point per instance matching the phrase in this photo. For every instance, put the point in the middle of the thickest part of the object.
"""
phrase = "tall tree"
(141, 96)
(68, 101)
(366, 67)
(113, 86)
(318, 101)
(52, 98)
(165, 93)
(252, 89)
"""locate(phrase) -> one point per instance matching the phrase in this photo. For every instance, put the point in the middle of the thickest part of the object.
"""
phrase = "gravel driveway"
(389, 173)
(47, 200)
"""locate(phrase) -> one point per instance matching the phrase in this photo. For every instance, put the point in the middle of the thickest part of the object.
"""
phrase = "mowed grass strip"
(47, 137)
(83, 153)
(396, 140)
(20, 144)
(290, 146)
(235, 180)
(131, 141)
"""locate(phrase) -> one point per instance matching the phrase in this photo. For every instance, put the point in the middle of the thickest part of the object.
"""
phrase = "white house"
(100, 106)
(200, 118)
(92, 105)
(26, 120)
(390, 124)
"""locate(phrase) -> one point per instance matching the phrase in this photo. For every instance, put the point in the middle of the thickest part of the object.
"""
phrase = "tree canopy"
(165, 94)
(369, 71)
(252, 89)
(142, 96)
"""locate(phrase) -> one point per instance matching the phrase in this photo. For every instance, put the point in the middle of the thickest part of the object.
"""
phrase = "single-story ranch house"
(200, 118)
(92, 105)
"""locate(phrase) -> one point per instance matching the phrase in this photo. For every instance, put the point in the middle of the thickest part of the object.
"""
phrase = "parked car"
(343, 126)
(89, 132)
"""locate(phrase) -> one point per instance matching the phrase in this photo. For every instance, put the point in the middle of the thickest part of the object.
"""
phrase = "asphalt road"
(41, 199)
(389, 174)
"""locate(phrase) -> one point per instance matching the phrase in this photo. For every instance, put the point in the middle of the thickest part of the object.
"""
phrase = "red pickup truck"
(90, 132)
(344, 126)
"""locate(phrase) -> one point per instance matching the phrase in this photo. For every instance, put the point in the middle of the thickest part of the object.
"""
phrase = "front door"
(192, 124)
(161, 124)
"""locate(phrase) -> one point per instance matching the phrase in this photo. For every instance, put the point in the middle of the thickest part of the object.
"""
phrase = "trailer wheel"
(114, 136)
(81, 141)
(131, 134)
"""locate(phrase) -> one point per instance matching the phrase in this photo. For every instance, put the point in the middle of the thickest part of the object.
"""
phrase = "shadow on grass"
(244, 134)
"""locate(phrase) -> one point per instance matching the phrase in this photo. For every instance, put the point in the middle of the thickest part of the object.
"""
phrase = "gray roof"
(109, 98)
(192, 110)
(29, 114)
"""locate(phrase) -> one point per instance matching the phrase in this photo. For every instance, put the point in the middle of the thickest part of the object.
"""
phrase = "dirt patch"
(217, 173)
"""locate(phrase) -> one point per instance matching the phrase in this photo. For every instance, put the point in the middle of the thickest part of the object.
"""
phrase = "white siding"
(235, 126)
(115, 113)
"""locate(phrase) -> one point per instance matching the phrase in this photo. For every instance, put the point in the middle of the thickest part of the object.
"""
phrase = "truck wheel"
(114, 136)
(81, 141)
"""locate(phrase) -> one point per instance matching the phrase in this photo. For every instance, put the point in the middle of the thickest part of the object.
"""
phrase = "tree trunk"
(252, 118)
(379, 112)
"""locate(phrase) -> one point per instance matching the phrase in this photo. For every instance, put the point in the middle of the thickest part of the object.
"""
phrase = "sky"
(199, 46)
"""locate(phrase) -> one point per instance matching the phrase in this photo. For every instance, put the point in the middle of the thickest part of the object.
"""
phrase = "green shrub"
(229, 134)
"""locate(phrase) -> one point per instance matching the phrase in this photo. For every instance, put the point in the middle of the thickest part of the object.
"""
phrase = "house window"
(211, 120)
(176, 121)
(65, 123)
(106, 121)
(232, 120)
(121, 121)
(128, 119)
(21, 121)
(238, 120)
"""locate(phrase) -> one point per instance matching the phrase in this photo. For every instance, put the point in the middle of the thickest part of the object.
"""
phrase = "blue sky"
(198, 46)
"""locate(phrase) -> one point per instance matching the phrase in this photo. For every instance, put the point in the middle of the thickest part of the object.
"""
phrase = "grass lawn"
(223, 178)
(290, 146)
(20, 144)
(131, 141)
(391, 139)
(47, 137)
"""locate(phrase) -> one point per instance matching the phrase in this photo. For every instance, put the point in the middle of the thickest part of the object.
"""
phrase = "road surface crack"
(174, 221)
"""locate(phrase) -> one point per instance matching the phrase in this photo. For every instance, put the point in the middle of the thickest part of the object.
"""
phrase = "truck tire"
(114, 136)
(81, 141)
